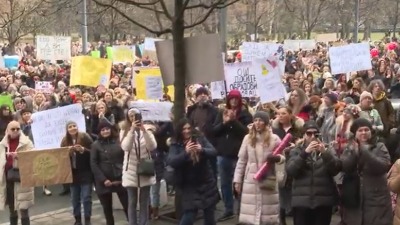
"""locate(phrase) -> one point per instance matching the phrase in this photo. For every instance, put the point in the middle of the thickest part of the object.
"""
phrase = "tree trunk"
(180, 78)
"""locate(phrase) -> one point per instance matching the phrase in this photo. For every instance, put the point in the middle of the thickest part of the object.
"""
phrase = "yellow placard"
(123, 54)
(149, 85)
(89, 71)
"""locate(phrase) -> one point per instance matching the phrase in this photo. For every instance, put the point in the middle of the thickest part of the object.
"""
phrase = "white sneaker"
(46, 191)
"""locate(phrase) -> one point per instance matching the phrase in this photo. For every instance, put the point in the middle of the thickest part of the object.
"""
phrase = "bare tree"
(19, 18)
(255, 14)
(175, 15)
(308, 12)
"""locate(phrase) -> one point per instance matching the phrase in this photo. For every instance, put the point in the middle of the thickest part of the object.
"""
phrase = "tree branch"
(158, 33)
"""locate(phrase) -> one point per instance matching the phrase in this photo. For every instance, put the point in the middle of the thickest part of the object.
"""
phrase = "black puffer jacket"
(313, 183)
(197, 184)
(106, 159)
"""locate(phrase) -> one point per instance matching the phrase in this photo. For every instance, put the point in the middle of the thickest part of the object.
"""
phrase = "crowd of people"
(342, 157)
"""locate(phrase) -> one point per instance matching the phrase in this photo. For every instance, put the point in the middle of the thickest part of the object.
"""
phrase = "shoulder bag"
(145, 167)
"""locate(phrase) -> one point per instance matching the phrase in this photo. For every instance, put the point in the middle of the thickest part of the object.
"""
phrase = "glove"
(273, 158)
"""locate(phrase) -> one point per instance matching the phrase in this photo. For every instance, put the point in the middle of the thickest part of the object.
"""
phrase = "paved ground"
(56, 210)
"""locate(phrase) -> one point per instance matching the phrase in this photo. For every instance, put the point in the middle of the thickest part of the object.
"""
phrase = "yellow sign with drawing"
(45, 167)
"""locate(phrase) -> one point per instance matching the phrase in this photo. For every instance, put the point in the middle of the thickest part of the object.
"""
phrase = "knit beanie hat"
(262, 115)
(365, 94)
(310, 125)
(360, 122)
(70, 123)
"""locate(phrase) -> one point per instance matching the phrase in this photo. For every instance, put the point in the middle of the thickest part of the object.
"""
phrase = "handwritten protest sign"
(44, 87)
(270, 87)
(254, 50)
(149, 85)
(241, 76)
(291, 45)
(307, 44)
(350, 58)
(89, 71)
(11, 61)
(53, 47)
(218, 89)
(123, 54)
(6, 99)
(2, 64)
(153, 111)
(95, 54)
(45, 167)
(48, 127)
(149, 44)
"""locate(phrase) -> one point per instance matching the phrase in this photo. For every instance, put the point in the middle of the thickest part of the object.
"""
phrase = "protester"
(365, 195)
(19, 199)
(106, 159)
(229, 129)
(313, 166)
(137, 141)
(189, 156)
(259, 201)
(82, 178)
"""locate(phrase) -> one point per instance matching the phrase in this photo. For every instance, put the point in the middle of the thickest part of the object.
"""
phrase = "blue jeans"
(81, 194)
(144, 202)
(155, 195)
(189, 216)
(226, 169)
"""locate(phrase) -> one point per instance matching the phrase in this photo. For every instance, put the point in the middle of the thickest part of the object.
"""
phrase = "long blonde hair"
(265, 135)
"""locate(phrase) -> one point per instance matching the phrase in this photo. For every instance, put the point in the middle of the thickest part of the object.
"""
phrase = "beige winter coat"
(147, 144)
(258, 206)
(24, 197)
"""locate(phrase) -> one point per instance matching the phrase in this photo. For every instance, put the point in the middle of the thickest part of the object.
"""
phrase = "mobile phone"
(194, 138)
(138, 117)
(318, 136)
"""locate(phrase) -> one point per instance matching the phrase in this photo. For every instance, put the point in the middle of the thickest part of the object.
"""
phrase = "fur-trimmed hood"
(297, 122)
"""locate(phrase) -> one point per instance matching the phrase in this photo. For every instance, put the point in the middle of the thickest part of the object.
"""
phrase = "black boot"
(66, 190)
(25, 221)
(14, 220)
(282, 216)
(87, 221)
(78, 220)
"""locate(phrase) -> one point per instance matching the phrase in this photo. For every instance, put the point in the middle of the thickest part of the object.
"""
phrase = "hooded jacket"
(229, 135)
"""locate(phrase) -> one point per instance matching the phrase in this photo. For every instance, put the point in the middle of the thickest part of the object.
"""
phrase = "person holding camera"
(79, 144)
(313, 167)
(138, 175)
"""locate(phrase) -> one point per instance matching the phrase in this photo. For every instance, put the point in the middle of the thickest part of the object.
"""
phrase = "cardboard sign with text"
(45, 167)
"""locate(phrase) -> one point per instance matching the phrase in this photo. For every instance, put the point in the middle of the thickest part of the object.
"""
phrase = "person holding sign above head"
(82, 178)
(11, 193)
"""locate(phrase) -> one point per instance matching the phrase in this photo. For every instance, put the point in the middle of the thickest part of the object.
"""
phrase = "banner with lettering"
(123, 54)
(89, 71)
(44, 87)
(149, 85)
(350, 58)
(45, 167)
(53, 48)
(153, 111)
(256, 50)
(242, 77)
(48, 127)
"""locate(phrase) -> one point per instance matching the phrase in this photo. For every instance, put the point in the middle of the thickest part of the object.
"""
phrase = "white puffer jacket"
(130, 145)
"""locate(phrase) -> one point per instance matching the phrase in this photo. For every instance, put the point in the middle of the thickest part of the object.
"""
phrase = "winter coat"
(373, 116)
(82, 173)
(106, 159)
(386, 112)
(229, 136)
(394, 186)
(159, 155)
(196, 182)
(328, 123)
(258, 206)
(371, 165)
(133, 145)
(313, 184)
(212, 113)
(24, 197)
